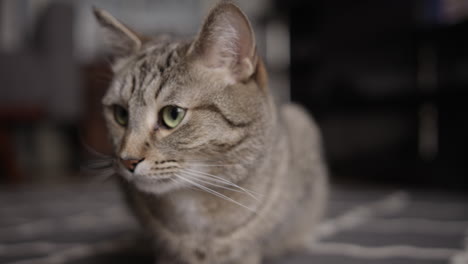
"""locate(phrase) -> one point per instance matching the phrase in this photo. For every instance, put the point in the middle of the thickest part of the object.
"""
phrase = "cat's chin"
(156, 187)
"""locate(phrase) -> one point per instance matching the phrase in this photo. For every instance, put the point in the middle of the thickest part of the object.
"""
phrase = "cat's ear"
(227, 41)
(122, 40)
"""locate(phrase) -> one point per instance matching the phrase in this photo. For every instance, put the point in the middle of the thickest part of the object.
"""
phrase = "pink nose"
(131, 164)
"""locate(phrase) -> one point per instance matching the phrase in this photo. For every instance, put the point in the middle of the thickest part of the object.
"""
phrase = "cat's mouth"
(163, 172)
(151, 172)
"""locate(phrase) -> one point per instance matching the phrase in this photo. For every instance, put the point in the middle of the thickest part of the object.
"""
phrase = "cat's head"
(179, 113)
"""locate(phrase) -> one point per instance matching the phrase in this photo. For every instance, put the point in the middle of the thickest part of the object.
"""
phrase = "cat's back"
(303, 133)
(307, 173)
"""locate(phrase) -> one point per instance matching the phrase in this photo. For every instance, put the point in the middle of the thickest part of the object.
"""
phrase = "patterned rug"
(89, 224)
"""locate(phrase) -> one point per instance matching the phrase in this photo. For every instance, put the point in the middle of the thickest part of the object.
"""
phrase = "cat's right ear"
(226, 42)
(122, 40)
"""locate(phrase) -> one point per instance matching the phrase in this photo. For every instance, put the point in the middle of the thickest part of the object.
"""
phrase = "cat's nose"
(131, 164)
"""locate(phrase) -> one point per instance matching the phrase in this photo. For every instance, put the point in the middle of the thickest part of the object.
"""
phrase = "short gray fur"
(239, 179)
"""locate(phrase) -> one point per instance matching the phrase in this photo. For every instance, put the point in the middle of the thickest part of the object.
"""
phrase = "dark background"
(386, 80)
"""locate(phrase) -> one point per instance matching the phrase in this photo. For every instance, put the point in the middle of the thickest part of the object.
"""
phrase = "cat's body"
(235, 179)
(206, 229)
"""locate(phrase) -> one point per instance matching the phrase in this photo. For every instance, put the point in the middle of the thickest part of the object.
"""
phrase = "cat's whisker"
(96, 167)
(103, 175)
(197, 178)
(210, 165)
(215, 162)
(204, 174)
(249, 192)
(214, 192)
(208, 161)
(226, 182)
(98, 164)
(101, 167)
(221, 179)
(185, 184)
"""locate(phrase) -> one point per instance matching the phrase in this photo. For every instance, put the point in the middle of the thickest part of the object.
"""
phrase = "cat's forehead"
(156, 57)
(145, 73)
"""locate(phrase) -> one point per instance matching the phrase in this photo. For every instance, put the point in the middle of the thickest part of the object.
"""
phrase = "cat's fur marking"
(238, 179)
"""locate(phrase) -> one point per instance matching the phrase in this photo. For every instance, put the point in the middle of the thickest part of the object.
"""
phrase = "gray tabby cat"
(212, 168)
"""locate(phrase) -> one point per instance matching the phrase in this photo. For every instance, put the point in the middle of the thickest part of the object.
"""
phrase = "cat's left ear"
(122, 40)
(227, 41)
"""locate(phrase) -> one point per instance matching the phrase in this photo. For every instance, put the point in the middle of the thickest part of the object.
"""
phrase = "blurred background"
(54, 70)
(386, 80)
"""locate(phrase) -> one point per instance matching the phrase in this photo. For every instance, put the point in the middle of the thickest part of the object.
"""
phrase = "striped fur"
(238, 179)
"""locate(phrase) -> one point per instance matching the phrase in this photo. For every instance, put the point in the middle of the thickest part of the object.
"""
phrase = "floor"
(89, 224)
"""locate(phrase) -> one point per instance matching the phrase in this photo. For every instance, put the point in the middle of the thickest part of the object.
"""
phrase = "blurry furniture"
(96, 79)
(8, 118)
(39, 80)
(43, 72)
(386, 84)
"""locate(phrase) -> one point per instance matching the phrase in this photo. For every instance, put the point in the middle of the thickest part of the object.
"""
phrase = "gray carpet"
(89, 224)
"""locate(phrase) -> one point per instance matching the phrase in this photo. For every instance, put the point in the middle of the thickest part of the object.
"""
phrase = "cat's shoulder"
(299, 123)
(296, 115)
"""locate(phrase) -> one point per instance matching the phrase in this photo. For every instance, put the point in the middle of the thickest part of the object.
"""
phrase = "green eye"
(120, 115)
(172, 116)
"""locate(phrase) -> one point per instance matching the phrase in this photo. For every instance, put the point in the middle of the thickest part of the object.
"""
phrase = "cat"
(212, 168)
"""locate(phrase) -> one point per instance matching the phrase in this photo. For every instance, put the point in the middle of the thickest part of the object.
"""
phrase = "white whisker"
(252, 193)
(103, 175)
(222, 181)
(101, 168)
(177, 181)
(214, 192)
(211, 183)
(210, 165)
(97, 164)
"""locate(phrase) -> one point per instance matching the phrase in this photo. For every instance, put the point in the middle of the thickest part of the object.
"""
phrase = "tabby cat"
(214, 171)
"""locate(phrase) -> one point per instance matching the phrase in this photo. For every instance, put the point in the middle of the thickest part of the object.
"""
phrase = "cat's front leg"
(251, 258)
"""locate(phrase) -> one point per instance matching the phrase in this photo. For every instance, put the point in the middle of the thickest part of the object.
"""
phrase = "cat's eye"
(172, 115)
(120, 115)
